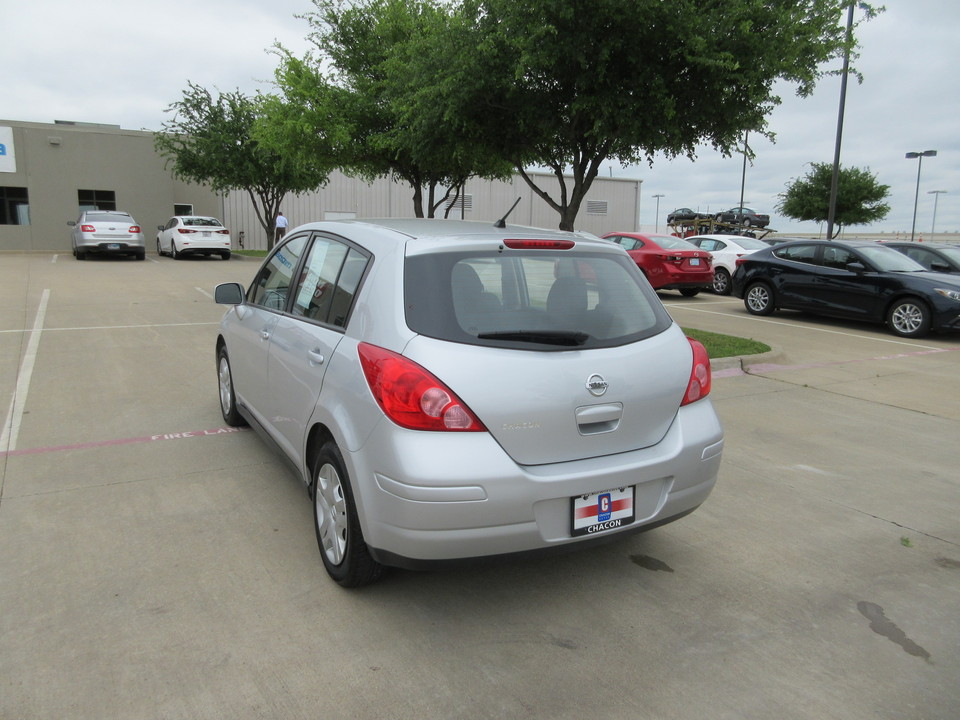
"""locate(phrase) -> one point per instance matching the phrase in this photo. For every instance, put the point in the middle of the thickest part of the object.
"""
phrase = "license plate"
(113, 246)
(607, 510)
(205, 233)
(694, 261)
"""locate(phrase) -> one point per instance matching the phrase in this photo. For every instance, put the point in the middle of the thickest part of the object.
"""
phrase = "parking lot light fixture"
(656, 219)
(936, 196)
(919, 156)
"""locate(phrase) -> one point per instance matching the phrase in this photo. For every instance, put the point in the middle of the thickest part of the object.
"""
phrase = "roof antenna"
(502, 222)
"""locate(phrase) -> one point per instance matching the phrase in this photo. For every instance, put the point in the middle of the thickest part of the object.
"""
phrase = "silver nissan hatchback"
(452, 390)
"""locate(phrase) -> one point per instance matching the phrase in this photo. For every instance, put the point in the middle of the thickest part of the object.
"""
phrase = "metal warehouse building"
(50, 172)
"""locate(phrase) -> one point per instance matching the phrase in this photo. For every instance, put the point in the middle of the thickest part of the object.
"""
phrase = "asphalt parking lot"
(156, 564)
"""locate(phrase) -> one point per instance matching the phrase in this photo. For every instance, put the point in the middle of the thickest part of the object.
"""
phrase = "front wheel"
(721, 281)
(759, 299)
(345, 555)
(159, 251)
(909, 318)
(228, 399)
(174, 253)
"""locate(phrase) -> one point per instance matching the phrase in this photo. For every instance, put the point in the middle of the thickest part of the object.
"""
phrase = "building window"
(182, 209)
(14, 206)
(596, 207)
(97, 200)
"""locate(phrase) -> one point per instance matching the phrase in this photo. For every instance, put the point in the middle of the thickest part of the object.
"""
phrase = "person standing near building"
(280, 226)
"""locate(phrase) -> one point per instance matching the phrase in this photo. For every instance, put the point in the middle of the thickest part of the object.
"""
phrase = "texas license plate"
(694, 261)
(607, 510)
(113, 246)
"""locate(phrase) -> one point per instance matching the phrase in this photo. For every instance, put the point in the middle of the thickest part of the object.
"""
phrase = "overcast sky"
(123, 63)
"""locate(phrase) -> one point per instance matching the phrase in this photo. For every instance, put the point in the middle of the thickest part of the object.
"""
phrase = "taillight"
(412, 397)
(134, 228)
(740, 260)
(700, 375)
(87, 228)
(185, 231)
(539, 244)
(222, 232)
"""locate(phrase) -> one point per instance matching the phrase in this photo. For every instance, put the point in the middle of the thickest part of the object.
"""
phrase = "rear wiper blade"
(570, 338)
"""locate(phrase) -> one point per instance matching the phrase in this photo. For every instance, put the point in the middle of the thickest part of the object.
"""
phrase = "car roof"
(719, 237)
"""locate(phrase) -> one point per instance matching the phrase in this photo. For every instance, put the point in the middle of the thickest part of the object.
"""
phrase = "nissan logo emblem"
(597, 385)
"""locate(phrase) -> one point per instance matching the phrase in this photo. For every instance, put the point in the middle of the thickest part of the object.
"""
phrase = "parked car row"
(912, 288)
(111, 232)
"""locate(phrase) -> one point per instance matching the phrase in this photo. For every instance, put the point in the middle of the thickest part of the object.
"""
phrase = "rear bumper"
(119, 247)
(420, 507)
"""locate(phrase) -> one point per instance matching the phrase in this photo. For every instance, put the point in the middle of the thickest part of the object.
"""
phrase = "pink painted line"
(125, 441)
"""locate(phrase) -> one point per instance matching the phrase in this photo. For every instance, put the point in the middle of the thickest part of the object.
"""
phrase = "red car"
(668, 262)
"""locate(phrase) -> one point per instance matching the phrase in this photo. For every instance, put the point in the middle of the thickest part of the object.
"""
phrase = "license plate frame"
(598, 512)
(694, 262)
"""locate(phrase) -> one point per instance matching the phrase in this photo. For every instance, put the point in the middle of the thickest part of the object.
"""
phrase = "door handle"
(316, 358)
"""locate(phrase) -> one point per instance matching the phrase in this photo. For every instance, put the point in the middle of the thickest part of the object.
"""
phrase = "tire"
(159, 251)
(342, 548)
(721, 281)
(690, 292)
(141, 255)
(758, 299)
(228, 399)
(225, 255)
(80, 255)
(746, 222)
(909, 318)
(173, 250)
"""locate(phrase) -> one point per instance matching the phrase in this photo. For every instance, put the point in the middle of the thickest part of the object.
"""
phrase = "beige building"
(49, 172)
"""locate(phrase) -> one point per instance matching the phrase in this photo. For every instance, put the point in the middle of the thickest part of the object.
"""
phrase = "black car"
(857, 280)
(744, 216)
(685, 215)
(942, 258)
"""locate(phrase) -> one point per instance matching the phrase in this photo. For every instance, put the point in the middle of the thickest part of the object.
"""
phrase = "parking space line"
(114, 327)
(814, 329)
(14, 418)
(213, 432)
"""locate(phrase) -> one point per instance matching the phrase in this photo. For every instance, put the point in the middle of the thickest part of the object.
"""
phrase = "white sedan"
(193, 235)
(725, 249)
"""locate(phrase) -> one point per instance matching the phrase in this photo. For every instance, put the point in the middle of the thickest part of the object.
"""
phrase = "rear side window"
(328, 282)
(538, 300)
(798, 253)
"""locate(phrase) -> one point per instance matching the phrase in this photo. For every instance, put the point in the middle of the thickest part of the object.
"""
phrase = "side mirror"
(72, 223)
(159, 227)
(856, 267)
(228, 294)
(939, 267)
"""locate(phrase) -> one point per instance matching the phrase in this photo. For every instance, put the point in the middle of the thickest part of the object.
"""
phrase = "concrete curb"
(742, 362)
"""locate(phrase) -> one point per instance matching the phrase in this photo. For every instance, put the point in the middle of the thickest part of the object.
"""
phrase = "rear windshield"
(108, 217)
(537, 300)
(201, 222)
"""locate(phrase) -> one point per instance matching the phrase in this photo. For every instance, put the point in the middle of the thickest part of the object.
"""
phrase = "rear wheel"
(721, 281)
(909, 318)
(225, 255)
(690, 292)
(344, 552)
(759, 299)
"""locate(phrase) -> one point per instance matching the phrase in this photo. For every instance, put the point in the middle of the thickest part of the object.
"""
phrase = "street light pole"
(656, 219)
(936, 196)
(916, 197)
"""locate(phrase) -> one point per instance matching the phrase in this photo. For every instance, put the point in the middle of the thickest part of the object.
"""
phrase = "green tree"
(212, 141)
(860, 197)
(356, 98)
(570, 85)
